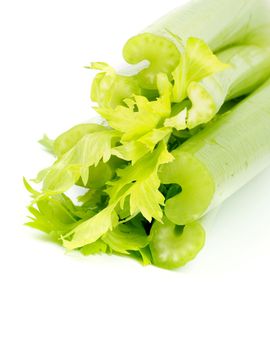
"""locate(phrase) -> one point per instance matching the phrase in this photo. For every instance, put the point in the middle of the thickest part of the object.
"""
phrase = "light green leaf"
(47, 143)
(30, 189)
(152, 138)
(89, 151)
(140, 116)
(146, 198)
(56, 215)
(91, 230)
(109, 89)
(96, 247)
(142, 178)
(146, 256)
(140, 181)
(135, 150)
(130, 151)
(197, 62)
(126, 237)
(71, 137)
(132, 123)
(93, 199)
(178, 122)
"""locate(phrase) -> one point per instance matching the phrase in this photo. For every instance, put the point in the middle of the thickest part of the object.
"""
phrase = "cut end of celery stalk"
(160, 52)
(197, 185)
(174, 246)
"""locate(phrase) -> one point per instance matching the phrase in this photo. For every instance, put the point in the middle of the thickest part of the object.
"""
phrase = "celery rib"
(228, 153)
(173, 246)
(248, 67)
(164, 154)
(168, 34)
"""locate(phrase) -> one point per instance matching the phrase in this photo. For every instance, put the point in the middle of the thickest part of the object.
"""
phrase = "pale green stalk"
(248, 67)
(219, 160)
(218, 23)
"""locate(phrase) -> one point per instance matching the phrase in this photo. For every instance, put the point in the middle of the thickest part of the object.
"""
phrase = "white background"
(52, 300)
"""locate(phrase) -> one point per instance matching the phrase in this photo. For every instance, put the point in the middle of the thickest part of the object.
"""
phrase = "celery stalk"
(145, 196)
(174, 246)
(219, 160)
(248, 68)
(218, 23)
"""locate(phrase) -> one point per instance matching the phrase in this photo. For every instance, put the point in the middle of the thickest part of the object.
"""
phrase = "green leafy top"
(137, 187)
(117, 163)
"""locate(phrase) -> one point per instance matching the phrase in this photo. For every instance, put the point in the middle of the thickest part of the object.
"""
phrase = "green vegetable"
(110, 89)
(139, 184)
(219, 160)
(249, 67)
(178, 136)
(94, 143)
(126, 237)
(219, 24)
(173, 246)
(212, 21)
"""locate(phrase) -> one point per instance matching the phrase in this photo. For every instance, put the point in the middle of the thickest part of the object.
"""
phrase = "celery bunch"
(179, 136)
